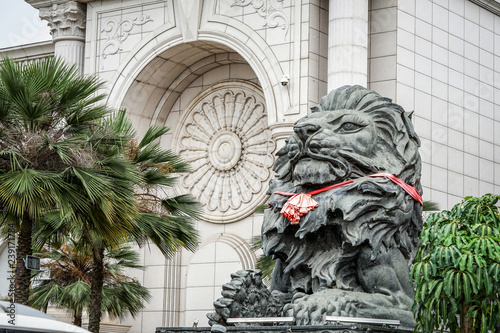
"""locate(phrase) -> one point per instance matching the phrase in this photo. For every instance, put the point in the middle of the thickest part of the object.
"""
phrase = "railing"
(29, 53)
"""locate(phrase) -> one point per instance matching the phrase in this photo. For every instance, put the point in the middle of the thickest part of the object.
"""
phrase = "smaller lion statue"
(344, 216)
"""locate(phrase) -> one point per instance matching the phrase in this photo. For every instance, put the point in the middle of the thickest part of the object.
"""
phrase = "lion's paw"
(313, 309)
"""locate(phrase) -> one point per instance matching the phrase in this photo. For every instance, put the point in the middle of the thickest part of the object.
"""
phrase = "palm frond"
(29, 191)
(44, 294)
(94, 184)
(264, 263)
(13, 158)
(152, 134)
(184, 205)
(169, 232)
(121, 124)
(124, 257)
(70, 271)
(125, 298)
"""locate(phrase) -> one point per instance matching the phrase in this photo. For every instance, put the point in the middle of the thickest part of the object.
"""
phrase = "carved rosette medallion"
(224, 150)
(225, 138)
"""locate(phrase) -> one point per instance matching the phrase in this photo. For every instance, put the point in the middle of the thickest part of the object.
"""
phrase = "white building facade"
(230, 77)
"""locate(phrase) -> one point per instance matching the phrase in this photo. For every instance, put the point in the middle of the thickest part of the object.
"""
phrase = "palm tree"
(70, 272)
(49, 126)
(163, 219)
(60, 162)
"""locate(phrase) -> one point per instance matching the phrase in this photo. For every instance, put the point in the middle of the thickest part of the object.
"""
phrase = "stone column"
(66, 20)
(347, 43)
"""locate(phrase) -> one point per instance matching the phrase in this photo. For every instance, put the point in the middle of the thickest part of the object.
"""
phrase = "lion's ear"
(409, 114)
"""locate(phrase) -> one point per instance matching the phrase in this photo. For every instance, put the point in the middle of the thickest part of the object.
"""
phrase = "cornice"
(491, 5)
(47, 3)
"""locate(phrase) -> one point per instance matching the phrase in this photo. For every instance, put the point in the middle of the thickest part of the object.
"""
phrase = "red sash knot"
(301, 203)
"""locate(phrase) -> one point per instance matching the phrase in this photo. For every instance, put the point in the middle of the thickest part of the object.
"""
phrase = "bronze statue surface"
(348, 253)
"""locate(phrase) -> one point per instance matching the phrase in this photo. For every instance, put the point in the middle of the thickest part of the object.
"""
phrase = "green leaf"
(462, 262)
(426, 271)
(438, 289)
(473, 281)
(448, 282)
(467, 288)
(488, 285)
(458, 286)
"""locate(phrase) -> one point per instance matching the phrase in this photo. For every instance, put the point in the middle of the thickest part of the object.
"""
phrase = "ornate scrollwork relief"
(118, 31)
(268, 9)
(225, 138)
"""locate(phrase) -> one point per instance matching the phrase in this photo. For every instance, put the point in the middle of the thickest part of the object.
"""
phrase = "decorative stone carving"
(355, 160)
(268, 9)
(118, 31)
(225, 138)
(66, 20)
(257, 300)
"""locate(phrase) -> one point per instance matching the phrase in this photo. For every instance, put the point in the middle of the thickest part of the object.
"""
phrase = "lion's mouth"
(318, 171)
(310, 171)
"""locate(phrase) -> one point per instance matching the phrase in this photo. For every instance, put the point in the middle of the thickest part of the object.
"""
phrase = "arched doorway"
(215, 105)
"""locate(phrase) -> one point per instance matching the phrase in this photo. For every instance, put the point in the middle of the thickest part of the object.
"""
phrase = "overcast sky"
(20, 24)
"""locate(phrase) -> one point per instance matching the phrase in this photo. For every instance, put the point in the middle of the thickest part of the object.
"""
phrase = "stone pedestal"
(353, 328)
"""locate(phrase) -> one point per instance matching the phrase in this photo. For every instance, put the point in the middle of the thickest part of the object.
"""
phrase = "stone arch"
(239, 245)
(253, 51)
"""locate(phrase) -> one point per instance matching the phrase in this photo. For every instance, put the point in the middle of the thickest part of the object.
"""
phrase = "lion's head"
(352, 133)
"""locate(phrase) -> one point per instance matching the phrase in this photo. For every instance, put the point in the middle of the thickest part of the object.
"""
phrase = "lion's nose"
(305, 130)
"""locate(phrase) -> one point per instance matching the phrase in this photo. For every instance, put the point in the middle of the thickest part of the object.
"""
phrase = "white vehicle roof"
(27, 319)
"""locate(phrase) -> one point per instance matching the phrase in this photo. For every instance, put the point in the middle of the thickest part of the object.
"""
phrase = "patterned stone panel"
(224, 136)
(269, 18)
(116, 29)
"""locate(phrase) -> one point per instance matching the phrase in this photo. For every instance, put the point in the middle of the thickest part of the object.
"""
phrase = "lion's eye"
(350, 127)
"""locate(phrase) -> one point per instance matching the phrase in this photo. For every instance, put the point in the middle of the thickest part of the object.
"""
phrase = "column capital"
(66, 19)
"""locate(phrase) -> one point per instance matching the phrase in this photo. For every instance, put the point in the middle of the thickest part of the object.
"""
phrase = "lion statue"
(344, 214)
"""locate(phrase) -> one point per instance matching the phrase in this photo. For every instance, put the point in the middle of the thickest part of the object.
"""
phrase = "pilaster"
(347, 43)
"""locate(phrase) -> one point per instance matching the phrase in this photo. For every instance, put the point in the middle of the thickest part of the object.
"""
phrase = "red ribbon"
(301, 203)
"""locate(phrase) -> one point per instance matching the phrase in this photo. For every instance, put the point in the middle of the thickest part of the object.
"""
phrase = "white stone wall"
(382, 48)
(439, 59)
